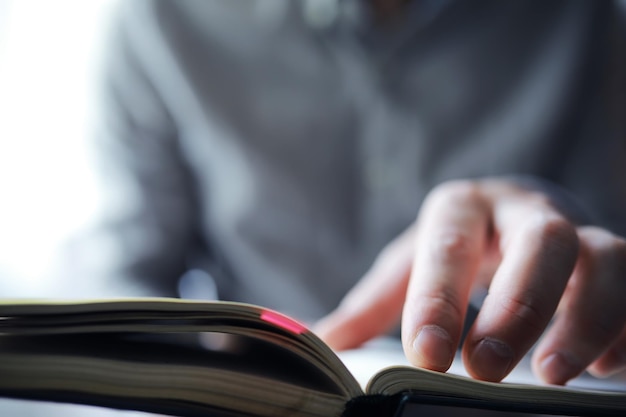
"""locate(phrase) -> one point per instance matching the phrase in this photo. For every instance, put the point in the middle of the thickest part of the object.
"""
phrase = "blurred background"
(49, 52)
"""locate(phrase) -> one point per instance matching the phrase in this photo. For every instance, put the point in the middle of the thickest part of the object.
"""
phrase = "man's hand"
(538, 266)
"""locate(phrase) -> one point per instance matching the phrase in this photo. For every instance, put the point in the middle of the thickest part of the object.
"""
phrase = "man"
(281, 145)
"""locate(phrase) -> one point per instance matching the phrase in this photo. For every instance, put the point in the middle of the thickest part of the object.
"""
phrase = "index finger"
(452, 234)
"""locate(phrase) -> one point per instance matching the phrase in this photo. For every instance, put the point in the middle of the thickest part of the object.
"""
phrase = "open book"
(192, 358)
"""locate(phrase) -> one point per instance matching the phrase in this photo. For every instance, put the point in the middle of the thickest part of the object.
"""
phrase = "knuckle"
(602, 249)
(451, 247)
(540, 200)
(456, 191)
(619, 254)
(601, 241)
(553, 230)
(527, 312)
(443, 303)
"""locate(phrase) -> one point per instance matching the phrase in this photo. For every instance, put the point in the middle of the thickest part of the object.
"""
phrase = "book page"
(385, 352)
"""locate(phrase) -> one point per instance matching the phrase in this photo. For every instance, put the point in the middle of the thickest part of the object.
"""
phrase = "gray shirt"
(280, 144)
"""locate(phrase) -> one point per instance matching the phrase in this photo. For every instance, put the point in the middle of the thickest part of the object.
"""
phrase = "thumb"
(374, 306)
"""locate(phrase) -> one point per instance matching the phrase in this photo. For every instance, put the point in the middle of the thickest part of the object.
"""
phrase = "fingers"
(539, 250)
(466, 230)
(452, 238)
(374, 305)
(591, 318)
(613, 360)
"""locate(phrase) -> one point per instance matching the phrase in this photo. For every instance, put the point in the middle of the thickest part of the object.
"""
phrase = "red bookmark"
(282, 321)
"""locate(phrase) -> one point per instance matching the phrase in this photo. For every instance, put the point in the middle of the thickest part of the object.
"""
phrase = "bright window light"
(48, 53)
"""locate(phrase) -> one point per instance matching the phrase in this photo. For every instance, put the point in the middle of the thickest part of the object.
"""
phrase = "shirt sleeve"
(148, 226)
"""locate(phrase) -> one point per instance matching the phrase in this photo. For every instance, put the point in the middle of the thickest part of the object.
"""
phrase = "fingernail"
(558, 368)
(433, 345)
(491, 359)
